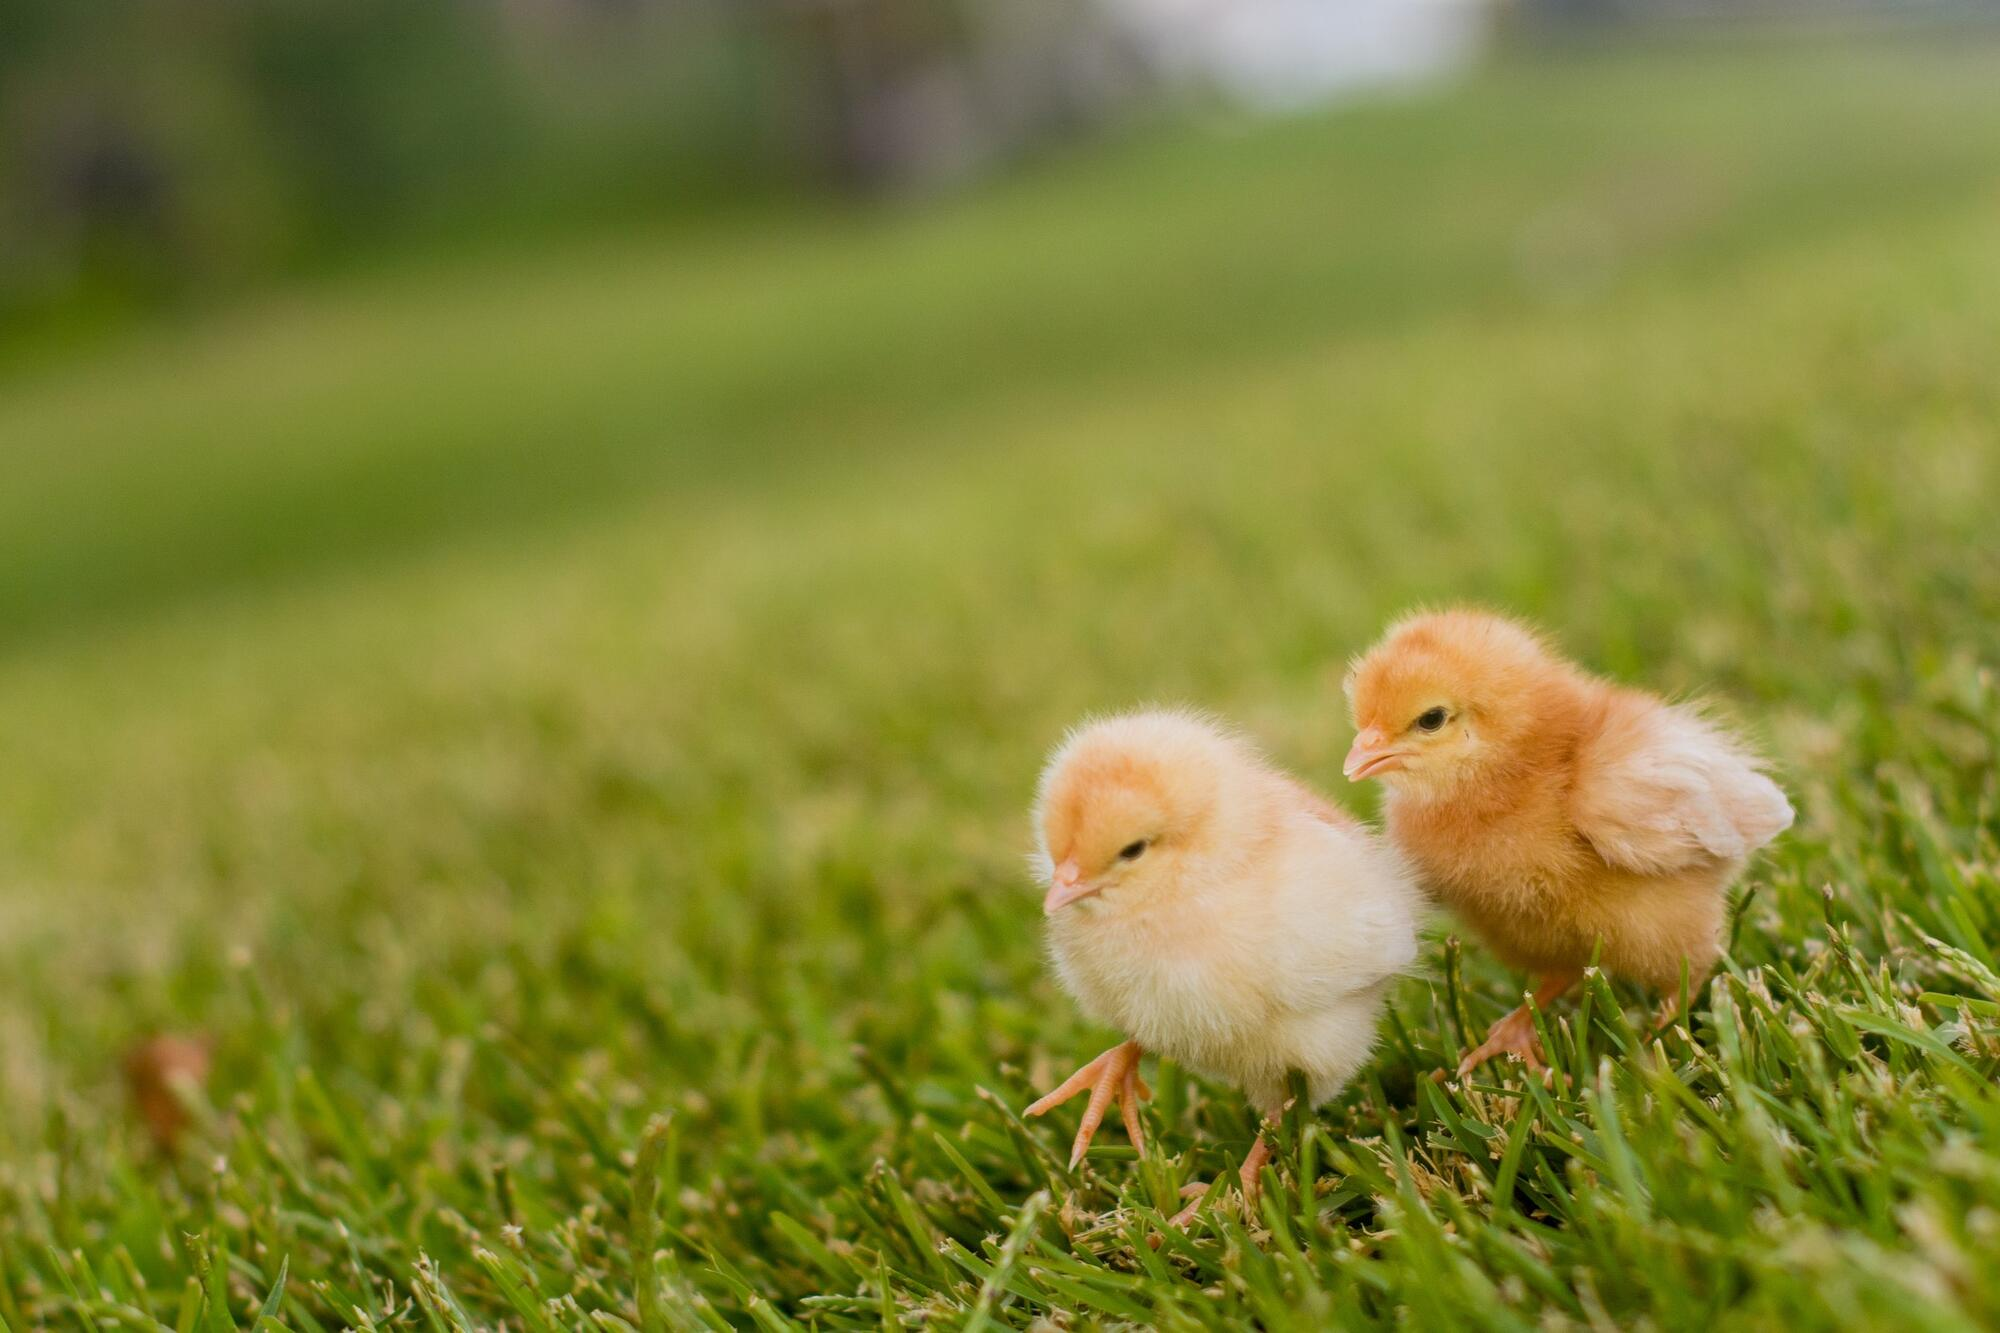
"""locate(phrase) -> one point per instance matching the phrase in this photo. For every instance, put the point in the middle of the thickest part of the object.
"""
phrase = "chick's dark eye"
(1431, 720)
(1132, 851)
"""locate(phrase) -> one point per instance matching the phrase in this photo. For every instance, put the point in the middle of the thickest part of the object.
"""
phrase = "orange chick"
(1216, 912)
(1558, 814)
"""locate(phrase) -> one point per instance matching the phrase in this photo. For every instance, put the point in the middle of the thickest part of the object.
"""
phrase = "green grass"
(566, 736)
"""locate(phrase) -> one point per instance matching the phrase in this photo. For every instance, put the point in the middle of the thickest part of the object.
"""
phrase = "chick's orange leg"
(1114, 1074)
(1251, 1173)
(1515, 1034)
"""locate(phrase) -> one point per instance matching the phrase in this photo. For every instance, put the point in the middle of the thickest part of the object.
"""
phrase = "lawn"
(563, 730)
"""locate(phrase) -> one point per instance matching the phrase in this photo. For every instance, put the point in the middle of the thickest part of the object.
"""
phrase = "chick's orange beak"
(1066, 885)
(1371, 756)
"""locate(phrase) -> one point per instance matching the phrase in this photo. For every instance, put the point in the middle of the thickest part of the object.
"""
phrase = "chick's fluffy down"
(1561, 816)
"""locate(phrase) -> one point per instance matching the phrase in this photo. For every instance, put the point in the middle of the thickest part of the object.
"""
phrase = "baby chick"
(1216, 912)
(1558, 814)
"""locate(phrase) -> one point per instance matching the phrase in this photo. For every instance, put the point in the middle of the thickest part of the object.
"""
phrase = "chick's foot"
(1670, 1011)
(1515, 1034)
(1512, 1035)
(1249, 1177)
(1196, 1194)
(1113, 1075)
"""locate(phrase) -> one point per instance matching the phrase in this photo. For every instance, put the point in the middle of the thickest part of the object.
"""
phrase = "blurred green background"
(541, 547)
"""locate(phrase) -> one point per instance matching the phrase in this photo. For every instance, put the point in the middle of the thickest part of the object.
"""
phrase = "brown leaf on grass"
(162, 1074)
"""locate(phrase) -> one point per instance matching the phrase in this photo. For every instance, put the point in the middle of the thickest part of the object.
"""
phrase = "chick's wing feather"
(1660, 788)
(1345, 916)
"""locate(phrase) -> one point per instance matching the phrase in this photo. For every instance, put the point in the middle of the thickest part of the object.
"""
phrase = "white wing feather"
(1661, 788)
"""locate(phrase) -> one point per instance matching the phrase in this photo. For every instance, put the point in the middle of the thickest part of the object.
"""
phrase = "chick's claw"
(1112, 1075)
(1130, 1091)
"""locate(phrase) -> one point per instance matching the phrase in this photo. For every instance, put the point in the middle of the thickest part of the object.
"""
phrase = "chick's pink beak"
(1066, 885)
(1371, 756)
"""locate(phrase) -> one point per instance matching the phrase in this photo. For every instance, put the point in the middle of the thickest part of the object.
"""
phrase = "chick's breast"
(1186, 984)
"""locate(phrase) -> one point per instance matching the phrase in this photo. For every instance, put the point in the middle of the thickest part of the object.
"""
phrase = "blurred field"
(504, 704)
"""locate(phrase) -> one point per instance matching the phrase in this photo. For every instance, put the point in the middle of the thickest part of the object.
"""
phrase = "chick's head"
(1125, 804)
(1442, 696)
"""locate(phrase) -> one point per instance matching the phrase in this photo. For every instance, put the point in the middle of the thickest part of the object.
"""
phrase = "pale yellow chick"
(1215, 911)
